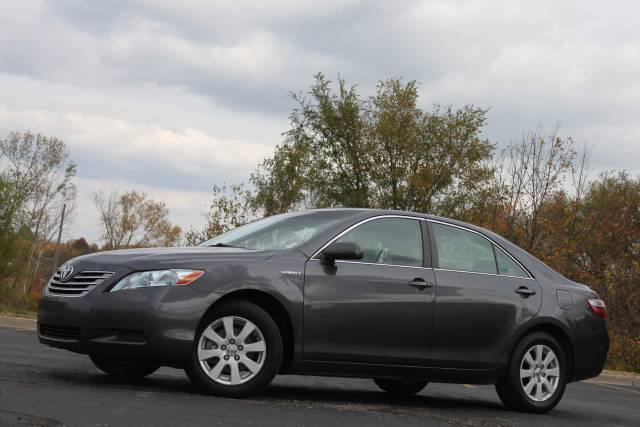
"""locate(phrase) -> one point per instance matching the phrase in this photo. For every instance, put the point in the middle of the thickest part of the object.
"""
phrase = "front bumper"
(155, 324)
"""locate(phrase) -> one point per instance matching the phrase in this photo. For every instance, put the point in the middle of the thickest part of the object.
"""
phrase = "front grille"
(59, 332)
(77, 285)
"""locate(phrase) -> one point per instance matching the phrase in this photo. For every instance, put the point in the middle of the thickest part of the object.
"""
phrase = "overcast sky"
(172, 97)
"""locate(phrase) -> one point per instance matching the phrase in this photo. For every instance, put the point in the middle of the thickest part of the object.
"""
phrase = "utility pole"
(57, 252)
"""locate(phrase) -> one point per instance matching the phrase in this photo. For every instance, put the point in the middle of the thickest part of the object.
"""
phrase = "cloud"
(179, 96)
(185, 158)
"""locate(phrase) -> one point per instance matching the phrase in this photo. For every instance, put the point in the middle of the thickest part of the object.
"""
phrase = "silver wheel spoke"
(250, 364)
(228, 327)
(539, 391)
(204, 354)
(526, 373)
(553, 372)
(528, 387)
(235, 373)
(245, 332)
(213, 336)
(217, 370)
(255, 347)
(549, 357)
(528, 358)
(538, 354)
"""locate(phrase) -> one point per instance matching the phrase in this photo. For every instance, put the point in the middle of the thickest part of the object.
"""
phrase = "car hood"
(171, 257)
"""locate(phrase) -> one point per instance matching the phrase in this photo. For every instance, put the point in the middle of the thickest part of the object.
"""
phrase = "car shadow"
(372, 397)
(276, 393)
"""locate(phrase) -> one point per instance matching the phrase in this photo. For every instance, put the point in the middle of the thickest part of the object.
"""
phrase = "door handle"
(524, 292)
(420, 284)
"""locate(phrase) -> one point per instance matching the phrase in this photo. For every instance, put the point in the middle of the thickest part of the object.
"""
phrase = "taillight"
(597, 306)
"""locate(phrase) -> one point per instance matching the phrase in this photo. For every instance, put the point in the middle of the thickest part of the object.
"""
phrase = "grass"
(13, 302)
(25, 314)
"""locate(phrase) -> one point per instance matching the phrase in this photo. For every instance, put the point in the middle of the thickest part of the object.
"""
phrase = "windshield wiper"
(225, 245)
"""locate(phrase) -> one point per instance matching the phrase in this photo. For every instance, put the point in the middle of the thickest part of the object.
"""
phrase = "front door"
(375, 310)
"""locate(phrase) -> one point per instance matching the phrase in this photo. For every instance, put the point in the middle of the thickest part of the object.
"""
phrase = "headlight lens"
(146, 279)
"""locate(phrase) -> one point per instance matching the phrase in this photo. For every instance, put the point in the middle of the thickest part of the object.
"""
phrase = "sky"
(174, 97)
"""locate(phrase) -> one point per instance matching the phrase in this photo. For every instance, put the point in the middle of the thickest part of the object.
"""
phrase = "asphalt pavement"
(42, 386)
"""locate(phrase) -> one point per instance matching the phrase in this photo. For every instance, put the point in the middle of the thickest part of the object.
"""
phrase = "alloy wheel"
(539, 373)
(232, 350)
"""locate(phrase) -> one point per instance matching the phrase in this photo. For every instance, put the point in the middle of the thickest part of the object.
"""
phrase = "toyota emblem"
(66, 272)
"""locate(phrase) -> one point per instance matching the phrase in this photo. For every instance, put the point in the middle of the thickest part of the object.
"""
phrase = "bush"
(624, 353)
(12, 300)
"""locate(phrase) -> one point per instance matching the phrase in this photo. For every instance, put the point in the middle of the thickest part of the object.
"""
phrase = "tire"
(243, 372)
(126, 369)
(542, 385)
(400, 387)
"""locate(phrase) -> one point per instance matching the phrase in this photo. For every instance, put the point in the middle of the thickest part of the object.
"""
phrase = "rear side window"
(507, 266)
(395, 241)
(463, 250)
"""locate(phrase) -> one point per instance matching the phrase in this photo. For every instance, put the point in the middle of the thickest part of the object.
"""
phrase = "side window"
(508, 266)
(393, 241)
(463, 250)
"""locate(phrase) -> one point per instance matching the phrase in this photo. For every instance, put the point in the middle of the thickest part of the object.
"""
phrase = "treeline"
(343, 149)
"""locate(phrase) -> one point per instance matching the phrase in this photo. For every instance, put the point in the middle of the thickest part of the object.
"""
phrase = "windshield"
(278, 232)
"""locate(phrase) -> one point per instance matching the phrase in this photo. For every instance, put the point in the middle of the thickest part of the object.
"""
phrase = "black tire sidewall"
(273, 356)
(512, 390)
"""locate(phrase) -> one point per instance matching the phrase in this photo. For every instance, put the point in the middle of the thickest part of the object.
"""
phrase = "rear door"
(378, 309)
(482, 296)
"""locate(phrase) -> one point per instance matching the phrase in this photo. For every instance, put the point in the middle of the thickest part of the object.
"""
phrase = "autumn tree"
(382, 151)
(36, 180)
(528, 175)
(231, 206)
(133, 220)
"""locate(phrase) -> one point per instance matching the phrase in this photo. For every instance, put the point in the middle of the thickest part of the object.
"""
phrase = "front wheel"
(237, 350)
(400, 387)
(536, 377)
(126, 369)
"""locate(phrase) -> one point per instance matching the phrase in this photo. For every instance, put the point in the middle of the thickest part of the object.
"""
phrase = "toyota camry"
(402, 298)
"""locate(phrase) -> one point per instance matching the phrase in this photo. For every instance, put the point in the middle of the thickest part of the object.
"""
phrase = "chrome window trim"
(485, 274)
(530, 276)
(375, 263)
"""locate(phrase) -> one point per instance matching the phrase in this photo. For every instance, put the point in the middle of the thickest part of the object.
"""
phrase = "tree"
(133, 220)
(8, 234)
(36, 181)
(383, 151)
(529, 175)
(231, 206)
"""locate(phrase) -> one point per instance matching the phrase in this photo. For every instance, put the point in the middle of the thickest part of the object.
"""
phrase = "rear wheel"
(536, 377)
(237, 351)
(400, 387)
(126, 369)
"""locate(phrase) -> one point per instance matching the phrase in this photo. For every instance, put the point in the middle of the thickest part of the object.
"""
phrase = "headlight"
(146, 279)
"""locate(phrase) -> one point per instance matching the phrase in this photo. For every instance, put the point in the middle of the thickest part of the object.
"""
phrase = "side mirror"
(341, 250)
